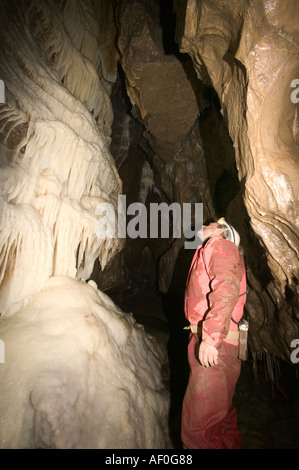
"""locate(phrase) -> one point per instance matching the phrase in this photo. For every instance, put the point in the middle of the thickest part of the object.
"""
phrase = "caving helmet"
(233, 235)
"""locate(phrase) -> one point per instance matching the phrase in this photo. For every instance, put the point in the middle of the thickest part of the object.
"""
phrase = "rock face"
(250, 54)
(248, 51)
(166, 97)
(150, 72)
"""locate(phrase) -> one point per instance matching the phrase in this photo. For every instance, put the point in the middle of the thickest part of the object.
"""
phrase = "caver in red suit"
(214, 293)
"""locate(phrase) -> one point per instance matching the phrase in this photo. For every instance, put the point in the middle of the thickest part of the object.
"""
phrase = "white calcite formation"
(56, 165)
(78, 372)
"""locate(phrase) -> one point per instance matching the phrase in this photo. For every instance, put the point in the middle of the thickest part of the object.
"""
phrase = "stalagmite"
(79, 373)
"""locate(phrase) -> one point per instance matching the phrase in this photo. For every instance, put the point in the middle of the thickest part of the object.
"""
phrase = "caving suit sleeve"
(224, 267)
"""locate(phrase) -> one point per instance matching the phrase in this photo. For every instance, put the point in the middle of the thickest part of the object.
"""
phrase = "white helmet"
(233, 235)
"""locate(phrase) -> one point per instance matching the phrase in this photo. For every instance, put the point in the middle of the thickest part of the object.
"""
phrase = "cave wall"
(248, 52)
(166, 99)
(133, 270)
(226, 130)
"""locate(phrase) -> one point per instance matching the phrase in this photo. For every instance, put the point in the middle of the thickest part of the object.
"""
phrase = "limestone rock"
(250, 55)
(156, 82)
(248, 51)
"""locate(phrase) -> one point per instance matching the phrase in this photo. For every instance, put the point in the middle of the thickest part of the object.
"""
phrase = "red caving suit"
(213, 295)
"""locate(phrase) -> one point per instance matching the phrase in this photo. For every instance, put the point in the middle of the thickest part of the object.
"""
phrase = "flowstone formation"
(56, 164)
(84, 374)
(248, 51)
(78, 372)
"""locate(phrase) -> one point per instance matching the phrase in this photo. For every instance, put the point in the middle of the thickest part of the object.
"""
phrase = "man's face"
(211, 230)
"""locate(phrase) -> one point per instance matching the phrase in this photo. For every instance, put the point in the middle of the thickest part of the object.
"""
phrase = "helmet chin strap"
(232, 233)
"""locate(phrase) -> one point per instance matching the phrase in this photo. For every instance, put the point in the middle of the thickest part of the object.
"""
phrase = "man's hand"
(208, 355)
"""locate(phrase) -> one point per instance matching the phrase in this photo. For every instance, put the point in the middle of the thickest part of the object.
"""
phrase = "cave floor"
(266, 397)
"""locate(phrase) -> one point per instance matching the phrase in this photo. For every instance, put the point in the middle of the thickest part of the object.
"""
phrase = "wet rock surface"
(248, 51)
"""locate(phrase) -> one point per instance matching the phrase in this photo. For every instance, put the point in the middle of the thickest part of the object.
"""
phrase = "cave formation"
(164, 102)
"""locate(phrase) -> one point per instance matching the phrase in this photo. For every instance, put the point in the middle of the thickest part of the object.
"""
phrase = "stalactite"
(60, 161)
